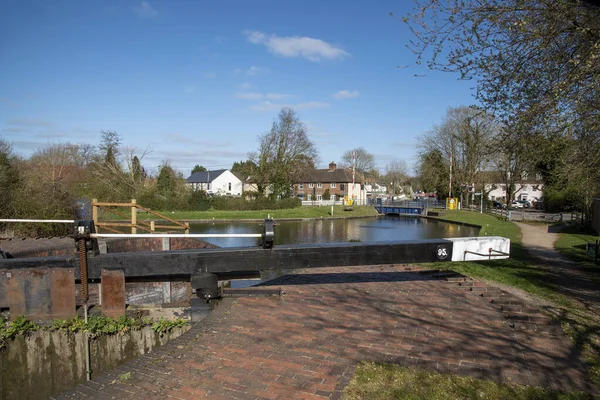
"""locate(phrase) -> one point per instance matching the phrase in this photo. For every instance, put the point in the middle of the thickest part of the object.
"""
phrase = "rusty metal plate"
(113, 293)
(29, 294)
(62, 291)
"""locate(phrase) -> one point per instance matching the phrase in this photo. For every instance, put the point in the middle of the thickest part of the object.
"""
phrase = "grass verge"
(300, 212)
(296, 213)
(373, 381)
(517, 271)
(524, 272)
(572, 242)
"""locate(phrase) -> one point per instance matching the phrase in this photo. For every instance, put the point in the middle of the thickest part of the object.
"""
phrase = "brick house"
(338, 181)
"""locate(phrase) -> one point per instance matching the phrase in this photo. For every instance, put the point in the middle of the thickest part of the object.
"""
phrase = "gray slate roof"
(205, 176)
(327, 176)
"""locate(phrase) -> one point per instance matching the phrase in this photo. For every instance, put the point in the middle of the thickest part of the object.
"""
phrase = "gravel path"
(572, 278)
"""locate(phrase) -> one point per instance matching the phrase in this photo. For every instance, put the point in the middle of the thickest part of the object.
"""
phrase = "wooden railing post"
(133, 217)
(152, 226)
(187, 228)
(95, 212)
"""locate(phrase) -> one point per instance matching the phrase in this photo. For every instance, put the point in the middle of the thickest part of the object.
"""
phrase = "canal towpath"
(306, 344)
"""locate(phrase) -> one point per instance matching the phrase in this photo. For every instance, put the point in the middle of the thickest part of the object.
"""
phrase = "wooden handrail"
(133, 224)
(162, 216)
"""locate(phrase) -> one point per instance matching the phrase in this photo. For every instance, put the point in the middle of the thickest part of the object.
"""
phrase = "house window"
(342, 186)
(301, 196)
(230, 186)
(332, 185)
(319, 197)
(319, 185)
(309, 197)
(332, 198)
(311, 185)
(301, 186)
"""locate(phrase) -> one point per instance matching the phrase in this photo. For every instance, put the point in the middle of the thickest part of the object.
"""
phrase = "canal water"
(389, 228)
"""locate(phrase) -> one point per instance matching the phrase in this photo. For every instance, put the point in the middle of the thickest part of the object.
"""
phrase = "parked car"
(516, 204)
(526, 203)
(497, 204)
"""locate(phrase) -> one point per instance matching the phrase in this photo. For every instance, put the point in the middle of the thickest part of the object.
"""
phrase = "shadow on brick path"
(307, 343)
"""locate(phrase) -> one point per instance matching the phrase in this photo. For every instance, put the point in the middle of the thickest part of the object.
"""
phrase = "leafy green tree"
(243, 168)
(198, 168)
(109, 146)
(166, 180)
(10, 180)
(433, 172)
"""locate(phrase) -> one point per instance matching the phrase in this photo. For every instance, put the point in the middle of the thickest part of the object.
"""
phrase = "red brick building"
(319, 181)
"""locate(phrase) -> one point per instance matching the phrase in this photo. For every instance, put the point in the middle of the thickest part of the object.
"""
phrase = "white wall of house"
(524, 191)
(354, 192)
(226, 184)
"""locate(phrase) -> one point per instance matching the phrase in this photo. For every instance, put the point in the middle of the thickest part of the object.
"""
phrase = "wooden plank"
(62, 292)
(113, 292)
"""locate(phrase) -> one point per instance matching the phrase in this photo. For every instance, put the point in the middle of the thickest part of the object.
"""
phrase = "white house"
(525, 189)
(221, 182)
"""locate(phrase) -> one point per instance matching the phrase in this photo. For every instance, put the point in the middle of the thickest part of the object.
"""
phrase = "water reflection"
(337, 230)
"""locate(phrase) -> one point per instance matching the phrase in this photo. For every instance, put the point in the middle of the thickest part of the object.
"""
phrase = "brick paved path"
(306, 344)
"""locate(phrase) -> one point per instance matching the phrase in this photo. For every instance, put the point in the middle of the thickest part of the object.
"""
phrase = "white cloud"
(252, 71)
(277, 96)
(256, 71)
(346, 94)
(295, 46)
(268, 106)
(145, 10)
(209, 75)
(258, 96)
(31, 122)
(246, 86)
(249, 96)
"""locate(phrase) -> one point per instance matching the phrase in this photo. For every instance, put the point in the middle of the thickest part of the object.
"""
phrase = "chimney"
(332, 166)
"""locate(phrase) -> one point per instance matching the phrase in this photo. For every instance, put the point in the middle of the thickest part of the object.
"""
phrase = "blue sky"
(195, 82)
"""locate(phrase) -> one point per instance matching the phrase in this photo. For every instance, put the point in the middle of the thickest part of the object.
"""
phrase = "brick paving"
(306, 344)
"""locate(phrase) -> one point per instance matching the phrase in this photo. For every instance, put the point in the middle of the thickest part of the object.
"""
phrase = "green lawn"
(300, 212)
(373, 381)
(518, 271)
(571, 243)
(380, 381)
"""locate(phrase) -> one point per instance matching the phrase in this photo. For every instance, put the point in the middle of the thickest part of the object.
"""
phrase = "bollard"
(268, 234)
(205, 286)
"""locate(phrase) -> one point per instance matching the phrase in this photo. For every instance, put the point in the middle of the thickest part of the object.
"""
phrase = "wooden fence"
(131, 215)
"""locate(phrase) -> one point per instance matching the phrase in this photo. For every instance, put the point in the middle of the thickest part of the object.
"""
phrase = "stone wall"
(49, 362)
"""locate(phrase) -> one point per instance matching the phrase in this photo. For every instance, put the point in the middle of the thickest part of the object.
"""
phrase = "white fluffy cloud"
(259, 96)
(253, 70)
(346, 94)
(145, 10)
(297, 46)
(268, 106)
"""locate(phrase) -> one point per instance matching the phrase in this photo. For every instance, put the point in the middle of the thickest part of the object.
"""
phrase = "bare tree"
(284, 154)
(464, 138)
(361, 159)
(536, 63)
(397, 175)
